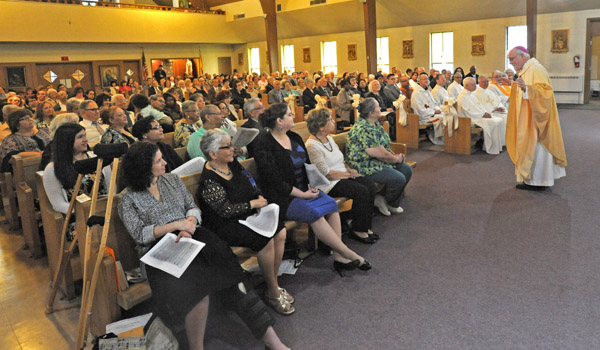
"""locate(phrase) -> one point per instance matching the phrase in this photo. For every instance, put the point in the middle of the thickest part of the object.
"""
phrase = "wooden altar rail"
(132, 6)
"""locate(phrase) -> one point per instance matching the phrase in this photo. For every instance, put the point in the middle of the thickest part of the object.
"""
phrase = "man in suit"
(275, 95)
(322, 89)
(391, 90)
(154, 89)
(473, 74)
(253, 108)
(159, 73)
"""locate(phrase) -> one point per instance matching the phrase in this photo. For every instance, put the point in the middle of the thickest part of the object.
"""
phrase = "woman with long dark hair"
(69, 145)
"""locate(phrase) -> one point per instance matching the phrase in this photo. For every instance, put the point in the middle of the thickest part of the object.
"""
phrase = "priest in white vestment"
(439, 92)
(491, 103)
(533, 136)
(455, 88)
(422, 101)
(469, 106)
(424, 105)
(499, 89)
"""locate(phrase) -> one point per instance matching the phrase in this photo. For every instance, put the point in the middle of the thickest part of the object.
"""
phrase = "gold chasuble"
(533, 120)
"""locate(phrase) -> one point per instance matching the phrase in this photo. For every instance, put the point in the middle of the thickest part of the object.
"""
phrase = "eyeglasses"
(226, 147)
(510, 59)
(92, 109)
(25, 118)
(155, 127)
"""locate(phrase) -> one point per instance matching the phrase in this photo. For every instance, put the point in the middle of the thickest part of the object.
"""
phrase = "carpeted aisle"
(473, 263)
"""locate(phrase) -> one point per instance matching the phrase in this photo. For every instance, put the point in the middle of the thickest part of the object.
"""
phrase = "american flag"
(145, 73)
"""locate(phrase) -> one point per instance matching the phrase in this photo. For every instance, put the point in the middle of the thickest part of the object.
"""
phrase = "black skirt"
(215, 268)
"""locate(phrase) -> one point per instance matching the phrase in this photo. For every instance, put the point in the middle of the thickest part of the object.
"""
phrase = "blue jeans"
(394, 179)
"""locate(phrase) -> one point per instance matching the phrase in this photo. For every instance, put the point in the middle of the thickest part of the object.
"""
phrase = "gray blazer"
(344, 108)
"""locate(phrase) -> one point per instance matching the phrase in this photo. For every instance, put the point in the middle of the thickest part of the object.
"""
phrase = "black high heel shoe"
(366, 240)
(340, 266)
(366, 266)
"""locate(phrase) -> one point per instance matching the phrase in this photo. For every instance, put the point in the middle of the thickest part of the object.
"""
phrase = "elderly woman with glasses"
(23, 139)
(227, 194)
(188, 125)
(369, 152)
(149, 130)
(345, 181)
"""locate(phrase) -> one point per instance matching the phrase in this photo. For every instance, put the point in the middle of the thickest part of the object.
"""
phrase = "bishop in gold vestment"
(533, 134)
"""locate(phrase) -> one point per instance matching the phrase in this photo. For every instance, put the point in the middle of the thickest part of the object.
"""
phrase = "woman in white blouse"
(345, 181)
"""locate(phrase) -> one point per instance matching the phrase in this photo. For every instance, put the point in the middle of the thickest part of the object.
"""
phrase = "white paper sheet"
(173, 258)
(315, 178)
(192, 166)
(243, 137)
(128, 324)
(265, 222)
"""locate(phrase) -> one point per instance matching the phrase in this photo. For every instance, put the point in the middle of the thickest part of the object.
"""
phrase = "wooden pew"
(265, 99)
(53, 222)
(24, 170)
(409, 133)
(299, 110)
(9, 200)
(168, 138)
(302, 130)
(463, 139)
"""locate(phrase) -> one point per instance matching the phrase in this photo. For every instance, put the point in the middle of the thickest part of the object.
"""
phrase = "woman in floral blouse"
(187, 125)
(23, 140)
(369, 152)
(117, 132)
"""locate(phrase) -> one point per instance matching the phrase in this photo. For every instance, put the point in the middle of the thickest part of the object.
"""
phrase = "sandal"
(280, 305)
(287, 295)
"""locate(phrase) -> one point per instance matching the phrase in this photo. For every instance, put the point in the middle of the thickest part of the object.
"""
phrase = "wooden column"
(370, 35)
(270, 11)
(531, 26)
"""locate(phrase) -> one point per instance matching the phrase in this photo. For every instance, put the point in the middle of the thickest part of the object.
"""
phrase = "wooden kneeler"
(109, 151)
(65, 255)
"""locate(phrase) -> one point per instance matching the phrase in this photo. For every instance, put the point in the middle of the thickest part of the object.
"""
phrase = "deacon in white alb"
(422, 101)
(469, 106)
(439, 93)
(455, 88)
(491, 103)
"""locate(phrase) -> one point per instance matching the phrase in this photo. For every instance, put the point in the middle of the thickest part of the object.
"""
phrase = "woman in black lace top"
(228, 193)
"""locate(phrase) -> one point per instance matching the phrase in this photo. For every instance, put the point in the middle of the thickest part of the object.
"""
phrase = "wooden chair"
(168, 138)
(24, 170)
(463, 139)
(409, 133)
(53, 222)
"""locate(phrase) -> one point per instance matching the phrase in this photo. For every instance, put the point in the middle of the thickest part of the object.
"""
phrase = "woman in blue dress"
(280, 157)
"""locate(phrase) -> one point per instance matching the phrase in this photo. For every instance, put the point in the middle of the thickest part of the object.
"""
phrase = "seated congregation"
(347, 127)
